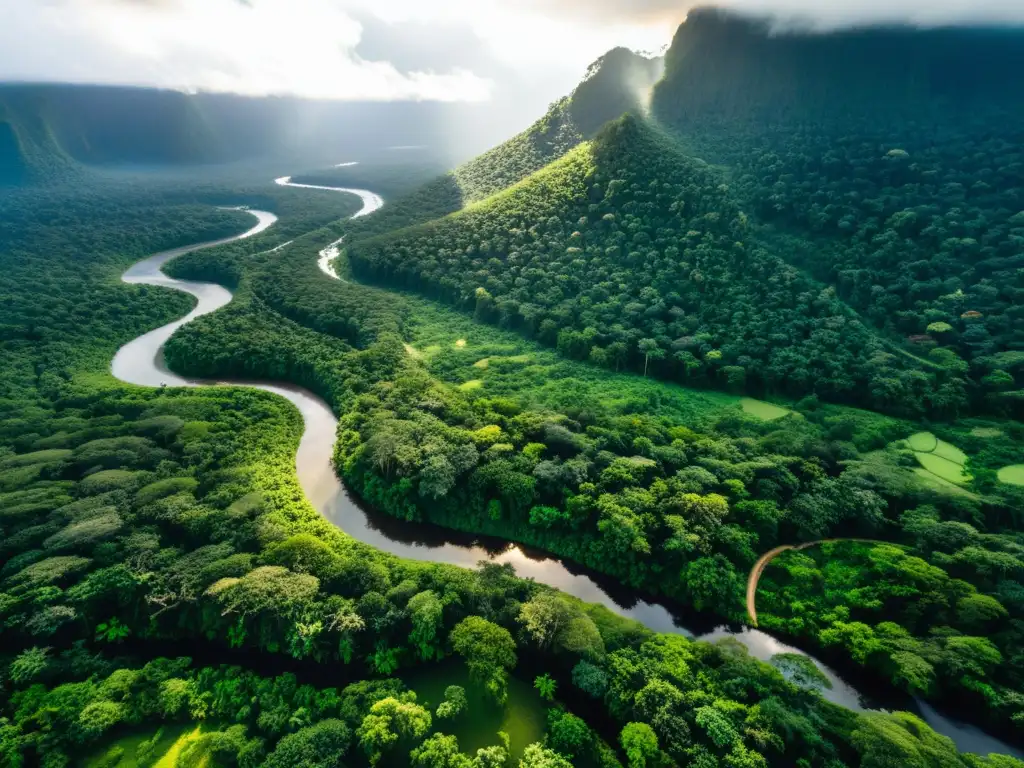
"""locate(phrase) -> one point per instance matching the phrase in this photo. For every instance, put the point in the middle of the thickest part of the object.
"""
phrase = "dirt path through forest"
(771, 554)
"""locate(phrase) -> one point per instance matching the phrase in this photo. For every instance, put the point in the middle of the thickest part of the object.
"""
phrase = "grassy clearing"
(471, 385)
(506, 360)
(923, 441)
(941, 459)
(1012, 475)
(987, 432)
(460, 343)
(762, 410)
(163, 754)
(950, 452)
(936, 483)
(412, 352)
(942, 468)
(538, 377)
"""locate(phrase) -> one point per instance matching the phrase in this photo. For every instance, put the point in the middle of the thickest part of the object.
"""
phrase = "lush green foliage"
(133, 517)
(632, 477)
(942, 617)
(628, 254)
(899, 182)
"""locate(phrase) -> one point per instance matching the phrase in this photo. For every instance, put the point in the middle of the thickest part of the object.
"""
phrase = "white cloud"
(820, 13)
(926, 13)
(535, 49)
(257, 47)
(307, 47)
(536, 35)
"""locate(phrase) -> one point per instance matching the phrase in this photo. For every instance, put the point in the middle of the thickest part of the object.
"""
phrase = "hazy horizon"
(525, 51)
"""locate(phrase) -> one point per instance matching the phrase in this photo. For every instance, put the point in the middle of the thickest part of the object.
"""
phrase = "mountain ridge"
(885, 201)
(617, 82)
(888, 163)
(630, 254)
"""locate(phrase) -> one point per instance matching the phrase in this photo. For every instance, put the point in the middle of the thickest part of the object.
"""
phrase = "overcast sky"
(456, 50)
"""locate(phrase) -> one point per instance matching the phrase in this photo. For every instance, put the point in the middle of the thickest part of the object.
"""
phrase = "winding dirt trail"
(771, 554)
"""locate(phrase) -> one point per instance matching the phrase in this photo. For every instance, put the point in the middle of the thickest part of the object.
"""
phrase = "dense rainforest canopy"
(630, 255)
(569, 342)
(896, 197)
(133, 518)
(888, 164)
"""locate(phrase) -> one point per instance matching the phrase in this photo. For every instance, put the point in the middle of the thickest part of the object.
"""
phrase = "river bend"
(141, 362)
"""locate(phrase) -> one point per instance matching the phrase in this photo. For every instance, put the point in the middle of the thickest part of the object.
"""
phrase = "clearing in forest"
(762, 410)
(1012, 475)
(943, 460)
(138, 749)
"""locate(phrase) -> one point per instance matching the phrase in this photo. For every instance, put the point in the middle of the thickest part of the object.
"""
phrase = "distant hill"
(616, 83)
(630, 254)
(50, 129)
(721, 66)
(885, 165)
(28, 148)
(888, 162)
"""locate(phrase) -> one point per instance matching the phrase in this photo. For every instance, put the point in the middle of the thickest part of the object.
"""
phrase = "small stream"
(141, 362)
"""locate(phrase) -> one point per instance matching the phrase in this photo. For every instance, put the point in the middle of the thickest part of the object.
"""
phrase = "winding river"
(141, 362)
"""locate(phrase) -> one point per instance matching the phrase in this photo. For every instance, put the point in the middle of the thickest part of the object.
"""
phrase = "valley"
(540, 417)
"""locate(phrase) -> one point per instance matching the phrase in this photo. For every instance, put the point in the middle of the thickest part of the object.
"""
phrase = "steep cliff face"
(618, 82)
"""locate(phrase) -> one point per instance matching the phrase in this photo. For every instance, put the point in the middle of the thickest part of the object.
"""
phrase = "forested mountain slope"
(669, 490)
(630, 254)
(133, 520)
(12, 164)
(890, 163)
(618, 82)
(28, 150)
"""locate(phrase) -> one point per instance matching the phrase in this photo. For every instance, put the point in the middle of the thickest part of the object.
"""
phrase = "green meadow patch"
(943, 460)
(936, 483)
(923, 441)
(762, 410)
(1012, 475)
(159, 748)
